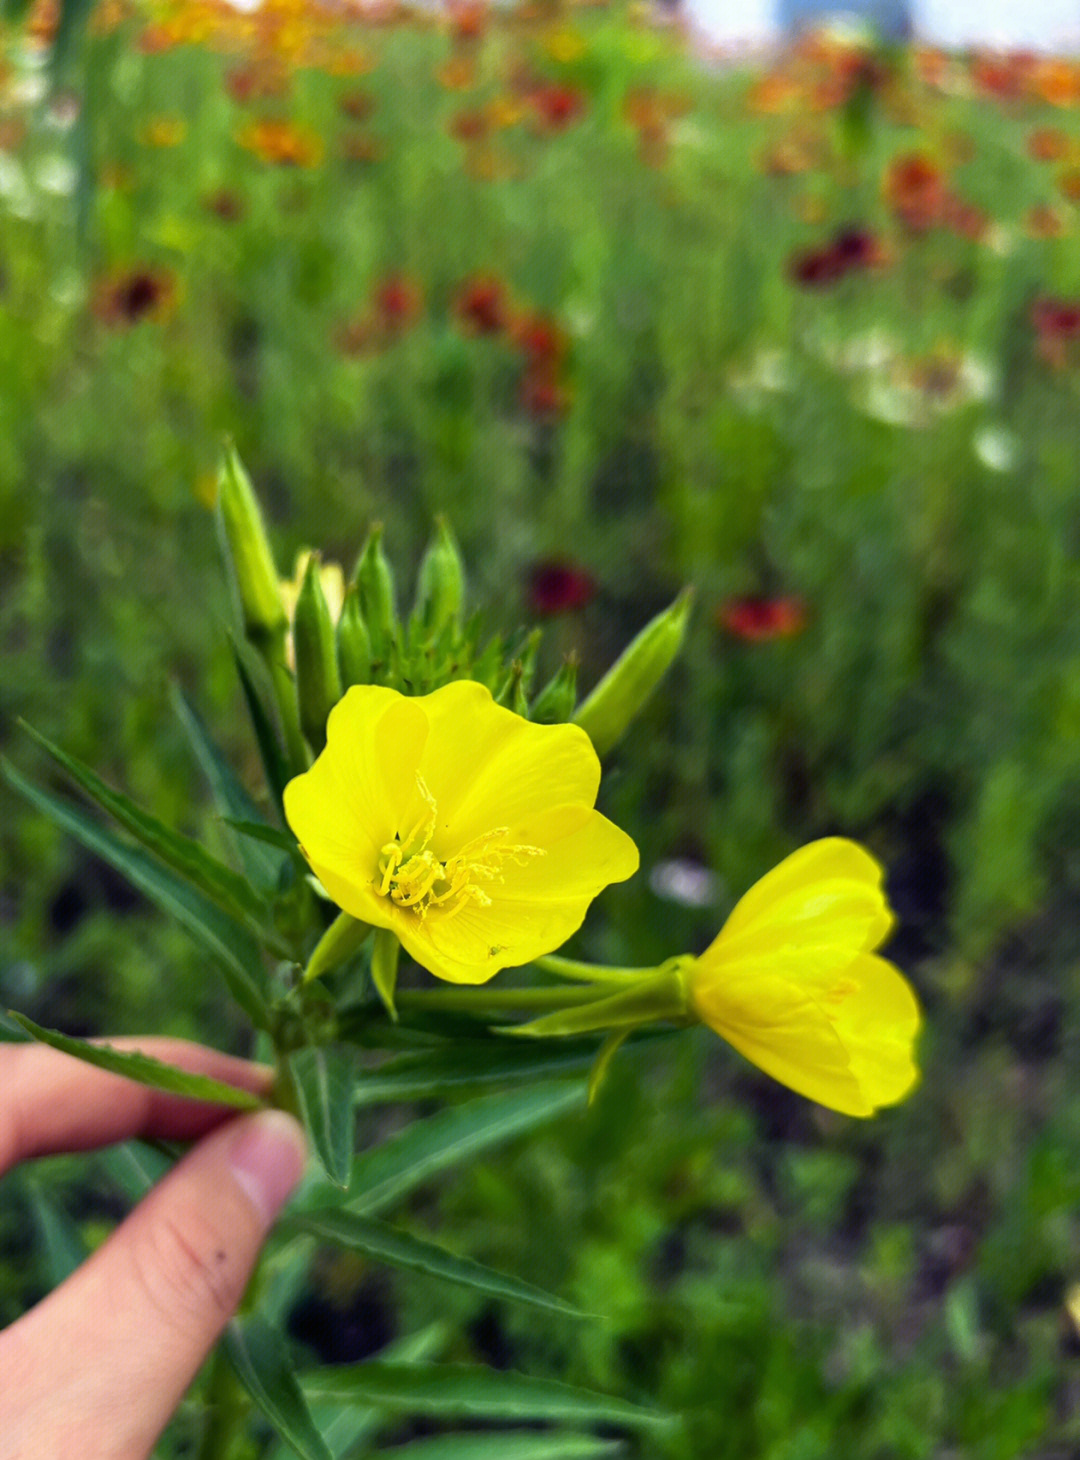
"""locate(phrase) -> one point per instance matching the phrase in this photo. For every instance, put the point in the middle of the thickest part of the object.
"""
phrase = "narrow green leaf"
(230, 797)
(508, 1445)
(260, 832)
(400, 1249)
(141, 1068)
(275, 766)
(258, 1354)
(233, 947)
(383, 1175)
(134, 1167)
(344, 1426)
(62, 1247)
(323, 1078)
(220, 883)
(470, 1065)
(469, 1390)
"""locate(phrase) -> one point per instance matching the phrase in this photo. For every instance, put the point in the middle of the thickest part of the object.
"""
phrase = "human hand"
(97, 1368)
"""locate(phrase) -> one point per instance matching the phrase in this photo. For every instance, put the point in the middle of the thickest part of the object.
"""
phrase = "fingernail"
(268, 1160)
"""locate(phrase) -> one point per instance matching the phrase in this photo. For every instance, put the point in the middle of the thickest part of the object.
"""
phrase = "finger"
(51, 1102)
(108, 1356)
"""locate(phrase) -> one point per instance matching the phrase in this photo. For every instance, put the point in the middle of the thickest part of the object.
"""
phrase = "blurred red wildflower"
(557, 585)
(132, 295)
(1057, 330)
(557, 106)
(757, 619)
(542, 394)
(914, 188)
(480, 304)
(1048, 144)
(850, 251)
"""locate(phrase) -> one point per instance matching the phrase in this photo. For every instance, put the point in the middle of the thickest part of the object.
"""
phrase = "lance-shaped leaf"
(400, 1249)
(323, 1078)
(469, 1390)
(258, 1354)
(508, 1445)
(234, 948)
(384, 1174)
(345, 1426)
(472, 1064)
(142, 1068)
(262, 864)
(217, 880)
(275, 766)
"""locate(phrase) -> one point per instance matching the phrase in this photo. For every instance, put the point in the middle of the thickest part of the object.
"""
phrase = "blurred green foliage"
(891, 452)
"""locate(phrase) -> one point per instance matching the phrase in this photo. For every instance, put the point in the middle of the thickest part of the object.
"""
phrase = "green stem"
(227, 1405)
(470, 1000)
(590, 972)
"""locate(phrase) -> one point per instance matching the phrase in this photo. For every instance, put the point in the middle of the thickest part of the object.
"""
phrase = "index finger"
(50, 1102)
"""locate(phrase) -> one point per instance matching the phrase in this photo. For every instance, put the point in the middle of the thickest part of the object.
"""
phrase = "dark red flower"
(480, 304)
(397, 302)
(540, 338)
(816, 268)
(558, 586)
(128, 297)
(542, 395)
(757, 619)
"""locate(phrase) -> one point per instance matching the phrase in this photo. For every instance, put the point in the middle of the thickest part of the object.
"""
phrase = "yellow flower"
(792, 981)
(466, 830)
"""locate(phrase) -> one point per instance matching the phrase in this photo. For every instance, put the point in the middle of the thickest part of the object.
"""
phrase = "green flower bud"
(318, 684)
(374, 582)
(440, 585)
(353, 643)
(511, 692)
(247, 550)
(606, 714)
(554, 705)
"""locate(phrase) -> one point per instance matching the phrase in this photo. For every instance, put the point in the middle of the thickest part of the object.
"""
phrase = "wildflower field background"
(804, 334)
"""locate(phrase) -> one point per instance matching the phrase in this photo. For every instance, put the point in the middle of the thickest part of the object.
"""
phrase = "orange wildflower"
(283, 142)
(164, 132)
(914, 189)
(457, 74)
(1048, 144)
(1043, 221)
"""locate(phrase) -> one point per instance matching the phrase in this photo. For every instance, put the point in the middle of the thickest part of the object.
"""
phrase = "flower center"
(412, 876)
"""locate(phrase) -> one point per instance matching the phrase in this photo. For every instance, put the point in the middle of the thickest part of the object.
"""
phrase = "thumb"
(98, 1367)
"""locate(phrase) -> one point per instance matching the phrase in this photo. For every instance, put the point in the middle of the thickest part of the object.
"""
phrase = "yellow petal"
(826, 894)
(359, 792)
(839, 1031)
(488, 767)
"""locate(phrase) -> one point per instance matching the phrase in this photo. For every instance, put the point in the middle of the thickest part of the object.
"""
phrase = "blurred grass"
(893, 451)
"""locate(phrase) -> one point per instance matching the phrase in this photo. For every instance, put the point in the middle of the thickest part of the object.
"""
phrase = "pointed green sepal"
(609, 710)
(608, 1050)
(385, 952)
(660, 995)
(342, 939)
(554, 705)
(318, 684)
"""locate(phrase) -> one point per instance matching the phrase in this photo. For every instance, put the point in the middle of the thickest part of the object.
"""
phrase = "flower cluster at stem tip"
(470, 834)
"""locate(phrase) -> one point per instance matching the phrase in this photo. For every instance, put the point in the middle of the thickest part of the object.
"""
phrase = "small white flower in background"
(68, 289)
(997, 447)
(28, 89)
(768, 373)
(57, 175)
(685, 882)
(1000, 240)
(15, 195)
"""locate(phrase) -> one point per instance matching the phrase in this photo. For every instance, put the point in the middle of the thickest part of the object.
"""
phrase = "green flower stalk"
(318, 683)
(440, 584)
(607, 713)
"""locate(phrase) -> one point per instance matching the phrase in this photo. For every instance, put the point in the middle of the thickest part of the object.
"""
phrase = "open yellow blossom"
(793, 982)
(466, 830)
